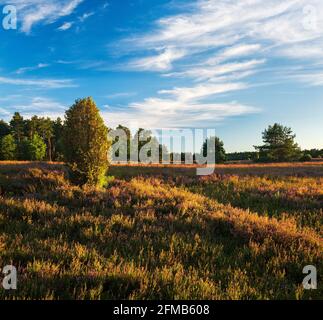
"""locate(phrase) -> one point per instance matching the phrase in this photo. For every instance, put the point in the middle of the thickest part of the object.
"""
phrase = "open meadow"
(161, 232)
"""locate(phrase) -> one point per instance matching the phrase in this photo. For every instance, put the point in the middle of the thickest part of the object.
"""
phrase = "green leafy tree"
(279, 145)
(86, 143)
(216, 149)
(8, 148)
(33, 149)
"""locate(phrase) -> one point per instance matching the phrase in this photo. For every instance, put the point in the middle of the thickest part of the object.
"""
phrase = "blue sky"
(236, 66)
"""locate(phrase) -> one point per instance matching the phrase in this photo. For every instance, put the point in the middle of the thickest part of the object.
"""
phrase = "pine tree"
(279, 145)
(86, 144)
(17, 125)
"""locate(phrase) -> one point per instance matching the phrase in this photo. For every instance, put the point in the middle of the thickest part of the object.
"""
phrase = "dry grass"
(161, 235)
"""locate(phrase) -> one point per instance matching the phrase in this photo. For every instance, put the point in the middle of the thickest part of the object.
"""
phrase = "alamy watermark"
(9, 19)
(310, 281)
(194, 146)
(9, 281)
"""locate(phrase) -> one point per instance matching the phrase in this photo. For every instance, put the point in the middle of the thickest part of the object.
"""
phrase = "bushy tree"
(216, 149)
(33, 149)
(279, 145)
(8, 148)
(86, 143)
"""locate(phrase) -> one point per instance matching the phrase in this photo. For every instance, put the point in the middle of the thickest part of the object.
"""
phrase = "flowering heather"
(160, 235)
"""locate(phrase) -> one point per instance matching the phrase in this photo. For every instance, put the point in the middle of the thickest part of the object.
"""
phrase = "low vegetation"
(154, 234)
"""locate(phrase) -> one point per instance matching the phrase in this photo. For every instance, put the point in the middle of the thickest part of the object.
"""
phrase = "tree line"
(81, 140)
(31, 139)
(38, 139)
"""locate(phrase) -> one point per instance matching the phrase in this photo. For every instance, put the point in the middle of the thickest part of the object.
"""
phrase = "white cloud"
(161, 62)
(85, 16)
(209, 71)
(185, 95)
(27, 69)
(313, 78)
(220, 30)
(184, 107)
(239, 50)
(40, 83)
(120, 95)
(167, 113)
(65, 26)
(275, 20)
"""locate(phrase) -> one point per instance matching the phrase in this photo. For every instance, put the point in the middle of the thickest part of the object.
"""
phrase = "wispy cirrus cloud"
(39, 83)
(65, 26)
(33, 68)
(68, 25)
(229, 29)
(215, 43)
(210, 70)
(171, 113)
(34, 12)
(181, 107)
(160, 62)
(190, 94)
(85, 16)
(120, 95)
